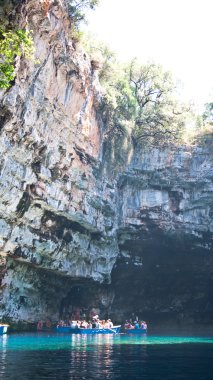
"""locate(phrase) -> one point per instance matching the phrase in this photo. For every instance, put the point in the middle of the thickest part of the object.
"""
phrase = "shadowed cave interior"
(163, 283)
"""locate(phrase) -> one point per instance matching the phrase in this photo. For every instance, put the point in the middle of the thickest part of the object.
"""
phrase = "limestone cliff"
(55, 212)
(165, 268)
(71, 234)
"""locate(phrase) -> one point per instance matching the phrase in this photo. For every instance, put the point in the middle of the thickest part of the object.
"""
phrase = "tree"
(76, 9)
(208, 113)
(142, 97)
(115, 85)
(158, 115)
(138, 100)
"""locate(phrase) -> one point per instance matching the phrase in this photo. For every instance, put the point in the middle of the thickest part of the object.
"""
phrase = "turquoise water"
(63, 356)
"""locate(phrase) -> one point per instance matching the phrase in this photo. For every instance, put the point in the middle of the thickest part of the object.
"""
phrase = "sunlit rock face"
(55, 210)
(71, 233)
(170, 191)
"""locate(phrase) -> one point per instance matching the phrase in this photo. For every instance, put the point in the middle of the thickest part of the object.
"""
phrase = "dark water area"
(73, 357)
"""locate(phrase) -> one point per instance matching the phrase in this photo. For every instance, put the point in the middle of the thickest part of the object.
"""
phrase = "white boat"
(3, 328)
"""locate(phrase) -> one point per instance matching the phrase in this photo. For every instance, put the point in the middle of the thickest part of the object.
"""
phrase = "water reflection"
(111, 357)
(42, 341)
(3, 343)
(99, 348)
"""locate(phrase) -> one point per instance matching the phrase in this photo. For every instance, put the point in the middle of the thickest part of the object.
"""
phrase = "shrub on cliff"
(12, 44)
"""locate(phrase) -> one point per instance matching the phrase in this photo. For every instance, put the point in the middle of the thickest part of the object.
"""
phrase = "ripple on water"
(43, 341)
(42, 356)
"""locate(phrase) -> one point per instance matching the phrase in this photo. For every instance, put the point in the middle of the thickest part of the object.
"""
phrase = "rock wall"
(71, 234)
(55, 210)
(165, 269)
(170, 190)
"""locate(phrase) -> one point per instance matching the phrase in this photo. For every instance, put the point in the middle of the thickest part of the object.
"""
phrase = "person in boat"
(89, 325)
(136, 325)
(143, 325)
(73, 325)
(110, 324)
(60, 323)
(96, 324)
(94, 313)
(126, 325)
(103, 324)
(48, 324)
(39, 325)
(83, 325)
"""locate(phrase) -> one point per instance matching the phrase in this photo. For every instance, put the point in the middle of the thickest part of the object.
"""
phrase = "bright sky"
(175, 33)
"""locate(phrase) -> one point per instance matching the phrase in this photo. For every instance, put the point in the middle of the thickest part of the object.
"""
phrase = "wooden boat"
(135, 331)
(67, 329)
(3, 329)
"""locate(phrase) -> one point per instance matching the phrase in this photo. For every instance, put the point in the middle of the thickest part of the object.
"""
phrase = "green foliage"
(12, 44)
(76, 10)
(159, 115)
(139, 100)
(118, 100)
(208, 113)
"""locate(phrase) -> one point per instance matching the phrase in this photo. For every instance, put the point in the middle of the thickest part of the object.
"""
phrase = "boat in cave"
(3, 329)
(135, 331)
(94, 331)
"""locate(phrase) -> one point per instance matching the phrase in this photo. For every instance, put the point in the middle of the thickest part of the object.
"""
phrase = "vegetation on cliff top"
(139, 99)
(76, 12)
(208, 113)
(76, 9)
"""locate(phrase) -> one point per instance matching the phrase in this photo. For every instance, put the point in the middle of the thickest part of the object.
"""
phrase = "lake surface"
(41, 356)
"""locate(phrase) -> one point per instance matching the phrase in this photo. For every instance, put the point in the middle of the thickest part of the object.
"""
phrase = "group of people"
(136, 325)
(95, 323)
(44, 325)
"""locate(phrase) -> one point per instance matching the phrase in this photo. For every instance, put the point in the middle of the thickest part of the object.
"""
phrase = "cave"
(85, 299)
(163, 282)
(78, 301)
(156, 280)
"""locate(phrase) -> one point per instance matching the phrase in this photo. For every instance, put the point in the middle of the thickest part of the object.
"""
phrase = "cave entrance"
(81, 302)
(163, 282)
